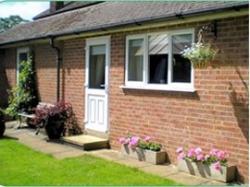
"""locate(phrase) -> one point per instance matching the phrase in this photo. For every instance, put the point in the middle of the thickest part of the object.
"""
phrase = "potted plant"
(54, 118)
(2, 123)
(142, 149)
(200, 54)
(213, 165)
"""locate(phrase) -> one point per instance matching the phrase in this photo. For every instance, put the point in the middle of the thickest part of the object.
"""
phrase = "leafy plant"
(22, 97)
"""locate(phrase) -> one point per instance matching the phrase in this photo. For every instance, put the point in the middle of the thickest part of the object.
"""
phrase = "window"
(22, 55)
(97, 66)
(135, 62)
(154, 61)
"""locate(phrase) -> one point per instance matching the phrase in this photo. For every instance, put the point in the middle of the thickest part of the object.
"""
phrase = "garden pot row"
(225, 174)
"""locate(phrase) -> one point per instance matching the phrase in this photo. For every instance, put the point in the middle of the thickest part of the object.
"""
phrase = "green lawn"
(20, 165)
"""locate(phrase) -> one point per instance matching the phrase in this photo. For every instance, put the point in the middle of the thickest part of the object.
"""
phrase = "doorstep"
(86, 142)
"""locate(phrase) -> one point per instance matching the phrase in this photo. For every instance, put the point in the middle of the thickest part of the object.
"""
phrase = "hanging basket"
(201, 64)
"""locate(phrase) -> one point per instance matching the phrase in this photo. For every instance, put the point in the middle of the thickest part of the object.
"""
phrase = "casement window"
(154, 61)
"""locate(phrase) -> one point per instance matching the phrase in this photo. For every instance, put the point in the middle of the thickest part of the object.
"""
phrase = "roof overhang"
(137, 25)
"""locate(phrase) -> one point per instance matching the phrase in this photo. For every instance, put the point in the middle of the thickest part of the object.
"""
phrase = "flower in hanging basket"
(200, 54)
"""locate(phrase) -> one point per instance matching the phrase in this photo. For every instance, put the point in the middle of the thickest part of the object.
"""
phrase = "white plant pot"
(153, 157)
(226, 174)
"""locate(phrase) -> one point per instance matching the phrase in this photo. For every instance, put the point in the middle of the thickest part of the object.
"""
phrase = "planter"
(200, 65)
(226, 174)
(153, 157)
(54, 129)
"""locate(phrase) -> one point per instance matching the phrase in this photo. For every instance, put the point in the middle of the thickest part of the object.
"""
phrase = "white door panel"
(96, 95)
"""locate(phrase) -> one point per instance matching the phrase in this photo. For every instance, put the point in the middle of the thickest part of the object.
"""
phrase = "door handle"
(102, 85)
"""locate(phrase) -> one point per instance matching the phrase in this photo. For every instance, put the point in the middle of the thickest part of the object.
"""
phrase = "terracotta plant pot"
(226, 174)
(154, 157)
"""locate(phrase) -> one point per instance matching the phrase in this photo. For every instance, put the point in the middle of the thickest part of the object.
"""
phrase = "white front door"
(96, 95)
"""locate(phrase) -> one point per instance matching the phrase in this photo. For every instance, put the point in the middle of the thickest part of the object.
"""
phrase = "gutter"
(58, 63)
(138, 22)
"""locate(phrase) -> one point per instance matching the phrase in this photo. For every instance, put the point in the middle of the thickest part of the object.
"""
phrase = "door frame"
(90, 42)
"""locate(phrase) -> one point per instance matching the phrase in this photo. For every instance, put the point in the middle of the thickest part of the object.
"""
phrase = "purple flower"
(191, 152)
(179, 150)
(217, 166)
(133, 141)
(147, 138)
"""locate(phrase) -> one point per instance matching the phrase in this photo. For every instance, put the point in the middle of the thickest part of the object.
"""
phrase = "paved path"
(61, 151)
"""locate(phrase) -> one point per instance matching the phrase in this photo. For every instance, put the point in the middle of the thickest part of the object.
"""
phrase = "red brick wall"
(45, 63)
(216, 115)
(73, 76)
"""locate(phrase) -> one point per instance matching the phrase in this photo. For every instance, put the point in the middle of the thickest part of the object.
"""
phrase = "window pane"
(135, 60)
(97, 67)
(181, 65)
(158, 59)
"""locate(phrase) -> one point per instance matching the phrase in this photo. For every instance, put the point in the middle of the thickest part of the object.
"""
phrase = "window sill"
(172, 88)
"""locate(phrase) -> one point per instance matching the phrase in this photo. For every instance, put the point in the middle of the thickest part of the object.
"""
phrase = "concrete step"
(86, 142)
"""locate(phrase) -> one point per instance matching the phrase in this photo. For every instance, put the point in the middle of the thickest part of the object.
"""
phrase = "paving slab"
(107, 154)
(69, 154)
(161, 170)
(187, 179)
(133, 163)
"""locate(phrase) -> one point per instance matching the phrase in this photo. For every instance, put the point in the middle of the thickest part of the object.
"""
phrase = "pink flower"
(181, 156)
(198, 151)
(217, 166)
(200, 157)
(191, 152)
(179, 150)
(214, 152)
(133, 141)
(221, 155)
(127, 140)
(122, 140)
(147, 138)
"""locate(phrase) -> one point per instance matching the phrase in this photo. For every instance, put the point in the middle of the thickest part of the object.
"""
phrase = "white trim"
(178, 88)
(20, 50)
(170, 84)
(89, 42)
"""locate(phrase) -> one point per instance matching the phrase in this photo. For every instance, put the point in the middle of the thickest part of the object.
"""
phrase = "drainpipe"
(58, 62)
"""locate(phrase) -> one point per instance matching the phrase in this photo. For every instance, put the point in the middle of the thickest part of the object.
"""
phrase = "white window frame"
(20, 50)
(169, 86)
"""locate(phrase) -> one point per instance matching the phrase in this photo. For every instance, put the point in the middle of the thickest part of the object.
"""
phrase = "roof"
(107, 15)
(67, 7)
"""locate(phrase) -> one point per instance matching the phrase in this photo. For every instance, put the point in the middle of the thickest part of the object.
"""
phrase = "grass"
(20, 165)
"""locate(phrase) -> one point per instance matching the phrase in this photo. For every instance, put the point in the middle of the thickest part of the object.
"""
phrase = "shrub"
(61, 111)
(22, 97)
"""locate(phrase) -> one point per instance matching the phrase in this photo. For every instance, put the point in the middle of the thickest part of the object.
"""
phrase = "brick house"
(119, 65)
